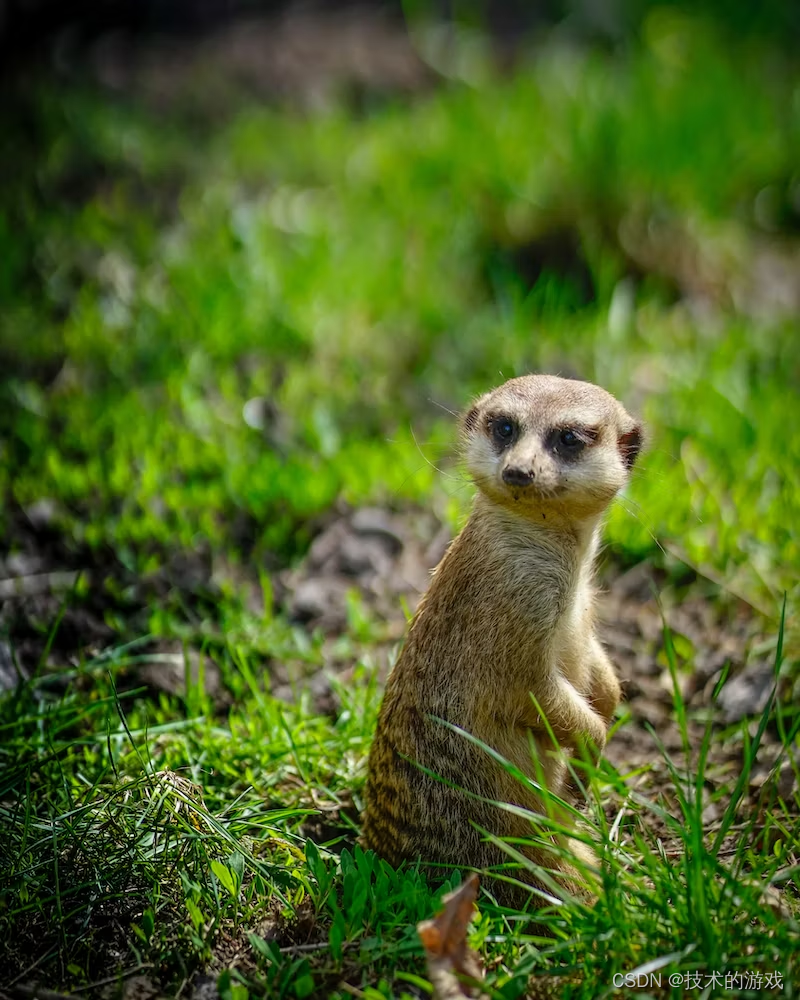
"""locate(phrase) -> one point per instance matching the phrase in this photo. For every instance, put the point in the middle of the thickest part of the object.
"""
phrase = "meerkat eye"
(503, 430)
(569, 439)
(569, 442)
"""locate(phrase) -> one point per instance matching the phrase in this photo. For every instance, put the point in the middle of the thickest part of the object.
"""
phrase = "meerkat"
(505, 636)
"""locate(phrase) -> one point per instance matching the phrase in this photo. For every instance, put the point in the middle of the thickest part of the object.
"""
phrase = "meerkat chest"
(556, 602)
(572, 636)
(545, 589)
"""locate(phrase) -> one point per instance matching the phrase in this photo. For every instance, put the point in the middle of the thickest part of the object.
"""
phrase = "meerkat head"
(540, 442)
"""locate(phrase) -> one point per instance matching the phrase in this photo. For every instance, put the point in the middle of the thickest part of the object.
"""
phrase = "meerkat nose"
(517, 477)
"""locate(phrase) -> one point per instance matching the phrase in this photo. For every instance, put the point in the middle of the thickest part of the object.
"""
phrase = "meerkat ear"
(630, 444)
(470, 420)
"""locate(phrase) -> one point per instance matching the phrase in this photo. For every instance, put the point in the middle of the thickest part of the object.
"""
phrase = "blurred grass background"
(213, 326)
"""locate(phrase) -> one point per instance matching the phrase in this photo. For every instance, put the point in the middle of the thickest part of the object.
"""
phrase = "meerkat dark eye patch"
(503, 430)
(569, 442)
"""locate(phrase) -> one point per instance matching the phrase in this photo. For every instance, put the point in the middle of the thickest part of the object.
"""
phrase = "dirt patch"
(39, 576)
(385, 556)
(57, 598)
(303, 56)
(724, 657)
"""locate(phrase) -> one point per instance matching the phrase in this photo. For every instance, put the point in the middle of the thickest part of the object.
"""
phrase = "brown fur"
(509, 614)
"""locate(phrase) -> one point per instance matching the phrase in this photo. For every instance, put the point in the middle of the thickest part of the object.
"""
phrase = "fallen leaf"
(451, 964)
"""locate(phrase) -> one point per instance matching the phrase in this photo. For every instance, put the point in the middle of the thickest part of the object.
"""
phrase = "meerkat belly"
(533, 754)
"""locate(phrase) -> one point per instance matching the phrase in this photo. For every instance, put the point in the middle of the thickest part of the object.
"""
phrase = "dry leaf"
(451, 964)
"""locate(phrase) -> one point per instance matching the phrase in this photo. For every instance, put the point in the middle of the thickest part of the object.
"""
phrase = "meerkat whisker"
(445, 475)
(442, 406)
(623, 502)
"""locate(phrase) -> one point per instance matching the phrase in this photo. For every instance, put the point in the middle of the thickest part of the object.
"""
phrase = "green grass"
(190, 834)
(352, 269)
(359, 274)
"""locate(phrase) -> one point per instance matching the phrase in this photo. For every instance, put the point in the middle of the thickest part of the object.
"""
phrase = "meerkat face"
(541, 442)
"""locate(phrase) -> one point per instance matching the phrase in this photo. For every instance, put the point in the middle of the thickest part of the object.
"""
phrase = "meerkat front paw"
(591, 741)
(569, 718)
(605, 691)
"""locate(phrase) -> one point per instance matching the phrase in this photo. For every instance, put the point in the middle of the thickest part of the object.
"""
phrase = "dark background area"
(31, 29)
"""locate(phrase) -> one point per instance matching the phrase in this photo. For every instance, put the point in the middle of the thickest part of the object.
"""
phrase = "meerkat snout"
(518, 477)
